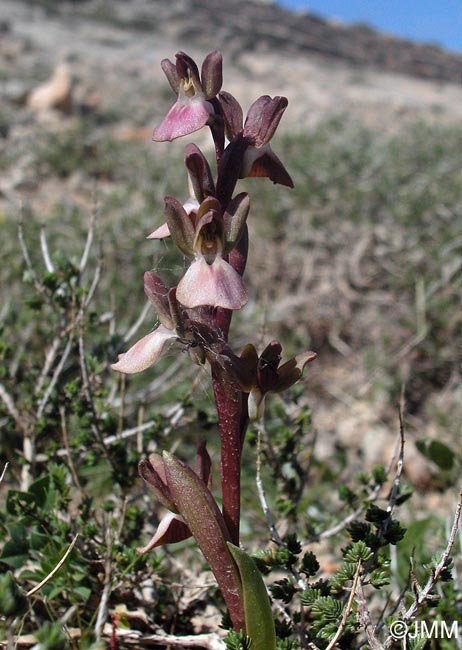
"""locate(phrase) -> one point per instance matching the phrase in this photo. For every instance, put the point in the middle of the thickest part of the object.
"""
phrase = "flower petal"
(212, 74)
(243, 368)
(263, 162)
(145, 352)
(157, 294)
(152, 471)
(179, 225)
(160, 233)
(186, 116)
(256, 404)
(172, 529)
(191, 205)
(170, 72)
(199, 172)
(291, 371)
(187, 70)
(267, 366)
(263, 119)
(215, 284)
(234, 220)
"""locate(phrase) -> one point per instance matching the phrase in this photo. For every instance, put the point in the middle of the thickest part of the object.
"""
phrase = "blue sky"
(433, 21)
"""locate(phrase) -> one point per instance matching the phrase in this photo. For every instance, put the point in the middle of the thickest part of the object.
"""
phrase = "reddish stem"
(228, 398)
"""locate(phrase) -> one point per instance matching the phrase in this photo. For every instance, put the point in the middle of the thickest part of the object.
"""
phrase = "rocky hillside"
(253, 25)
(113, 48)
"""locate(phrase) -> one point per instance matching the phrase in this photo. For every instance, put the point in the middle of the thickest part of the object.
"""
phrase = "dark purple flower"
(259, 160)
(259, 375)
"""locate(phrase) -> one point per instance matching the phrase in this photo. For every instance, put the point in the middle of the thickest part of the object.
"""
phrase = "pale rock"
(56, 93)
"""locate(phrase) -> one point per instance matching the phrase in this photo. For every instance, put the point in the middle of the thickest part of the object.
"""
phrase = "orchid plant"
(211, 228)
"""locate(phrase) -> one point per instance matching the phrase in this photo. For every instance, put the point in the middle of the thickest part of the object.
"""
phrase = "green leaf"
(376, 515)
(38, 540)
(258, 616)
(358, 551)
(15, 550)
(283, 590)
(17, 502)
(437, 452)
(441, 455)
(12, 600)
(309, 565)
(237, 641)
(83, 593)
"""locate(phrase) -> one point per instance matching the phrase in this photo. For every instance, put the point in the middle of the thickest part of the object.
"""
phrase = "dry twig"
(133, 637)
(2, 475)
(365, 618)
(34, 590)
(269, 518)
(10, 406)
(424, 594)
(45, 251)
(103, 603)
(374, 493)
(347, 610)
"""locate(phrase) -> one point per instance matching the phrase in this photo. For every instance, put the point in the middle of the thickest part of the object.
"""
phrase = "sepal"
(234, 220)
(232, 113)
(263, 119)
(170, 72)
(171, 530)
(157, 294)
(179, 225)
(145, 352)
(263, 163)
(291, 371)
(212, 74)
(200, 173)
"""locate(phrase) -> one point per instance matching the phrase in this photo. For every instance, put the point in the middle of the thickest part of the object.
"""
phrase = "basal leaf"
(258, 615)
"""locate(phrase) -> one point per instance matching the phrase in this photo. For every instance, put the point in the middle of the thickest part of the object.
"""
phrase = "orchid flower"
(193, 108)
(258, 159)
(209, 236)
(174, 326)
(259, 375)
(200, 185)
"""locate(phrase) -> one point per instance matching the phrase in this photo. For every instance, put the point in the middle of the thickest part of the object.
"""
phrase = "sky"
(430, 21)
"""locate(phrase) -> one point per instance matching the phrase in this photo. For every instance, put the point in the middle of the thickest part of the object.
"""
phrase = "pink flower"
(209, 236)
(174, 326)
(193, 108)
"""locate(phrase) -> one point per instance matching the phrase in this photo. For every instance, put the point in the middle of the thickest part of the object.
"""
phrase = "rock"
(56, 93)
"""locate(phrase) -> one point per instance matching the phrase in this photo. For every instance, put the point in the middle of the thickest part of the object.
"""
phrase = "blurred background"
(361, 262)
